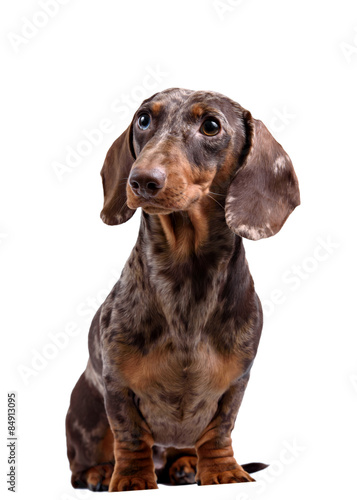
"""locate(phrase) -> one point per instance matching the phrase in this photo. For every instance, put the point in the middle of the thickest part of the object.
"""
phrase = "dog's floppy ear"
(115, 173)
(265, 189)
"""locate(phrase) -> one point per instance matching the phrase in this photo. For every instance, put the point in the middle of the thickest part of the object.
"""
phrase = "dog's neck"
(183, 277)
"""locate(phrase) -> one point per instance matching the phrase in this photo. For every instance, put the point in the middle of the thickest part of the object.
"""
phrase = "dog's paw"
(130, 483)
(237, 475)
(96, 478)
(183, 470)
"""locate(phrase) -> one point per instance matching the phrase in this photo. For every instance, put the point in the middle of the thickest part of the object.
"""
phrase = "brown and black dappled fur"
(172, 346)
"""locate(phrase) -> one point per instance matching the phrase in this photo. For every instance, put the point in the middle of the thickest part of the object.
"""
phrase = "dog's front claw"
(237, 475)
(130, 483)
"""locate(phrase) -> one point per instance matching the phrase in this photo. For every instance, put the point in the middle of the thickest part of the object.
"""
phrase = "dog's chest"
(177, 389)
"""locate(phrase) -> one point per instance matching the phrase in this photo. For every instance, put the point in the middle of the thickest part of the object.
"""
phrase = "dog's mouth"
(154, 207)
(162, 205)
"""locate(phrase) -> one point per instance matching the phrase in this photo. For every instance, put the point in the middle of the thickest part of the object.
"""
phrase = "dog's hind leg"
(89, 437)
(178, 466)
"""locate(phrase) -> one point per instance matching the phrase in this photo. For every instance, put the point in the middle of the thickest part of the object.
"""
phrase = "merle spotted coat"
(172, 346)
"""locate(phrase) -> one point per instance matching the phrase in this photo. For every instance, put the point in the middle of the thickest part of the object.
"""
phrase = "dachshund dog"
(172, 346)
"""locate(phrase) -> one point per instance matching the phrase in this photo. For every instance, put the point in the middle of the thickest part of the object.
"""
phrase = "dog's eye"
(144, 121)
(210, 126)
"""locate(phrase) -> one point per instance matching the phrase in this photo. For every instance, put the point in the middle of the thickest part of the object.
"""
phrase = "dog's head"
(183, 146)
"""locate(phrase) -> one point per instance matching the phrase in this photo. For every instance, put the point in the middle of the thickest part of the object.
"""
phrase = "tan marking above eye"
(156, 108)
(197, 110)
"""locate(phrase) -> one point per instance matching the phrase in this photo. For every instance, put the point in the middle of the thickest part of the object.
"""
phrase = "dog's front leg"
(134, 467)
(216, 463)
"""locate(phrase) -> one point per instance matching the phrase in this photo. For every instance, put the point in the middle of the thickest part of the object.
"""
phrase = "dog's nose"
(147, 184)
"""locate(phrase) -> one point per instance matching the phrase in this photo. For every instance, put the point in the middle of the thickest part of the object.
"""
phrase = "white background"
(294, 66)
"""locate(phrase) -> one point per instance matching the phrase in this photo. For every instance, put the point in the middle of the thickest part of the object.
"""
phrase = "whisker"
(218, 194)
(216, 201)
(122, 206)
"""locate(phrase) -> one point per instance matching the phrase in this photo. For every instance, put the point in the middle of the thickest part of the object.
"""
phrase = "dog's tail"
(254, 467)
